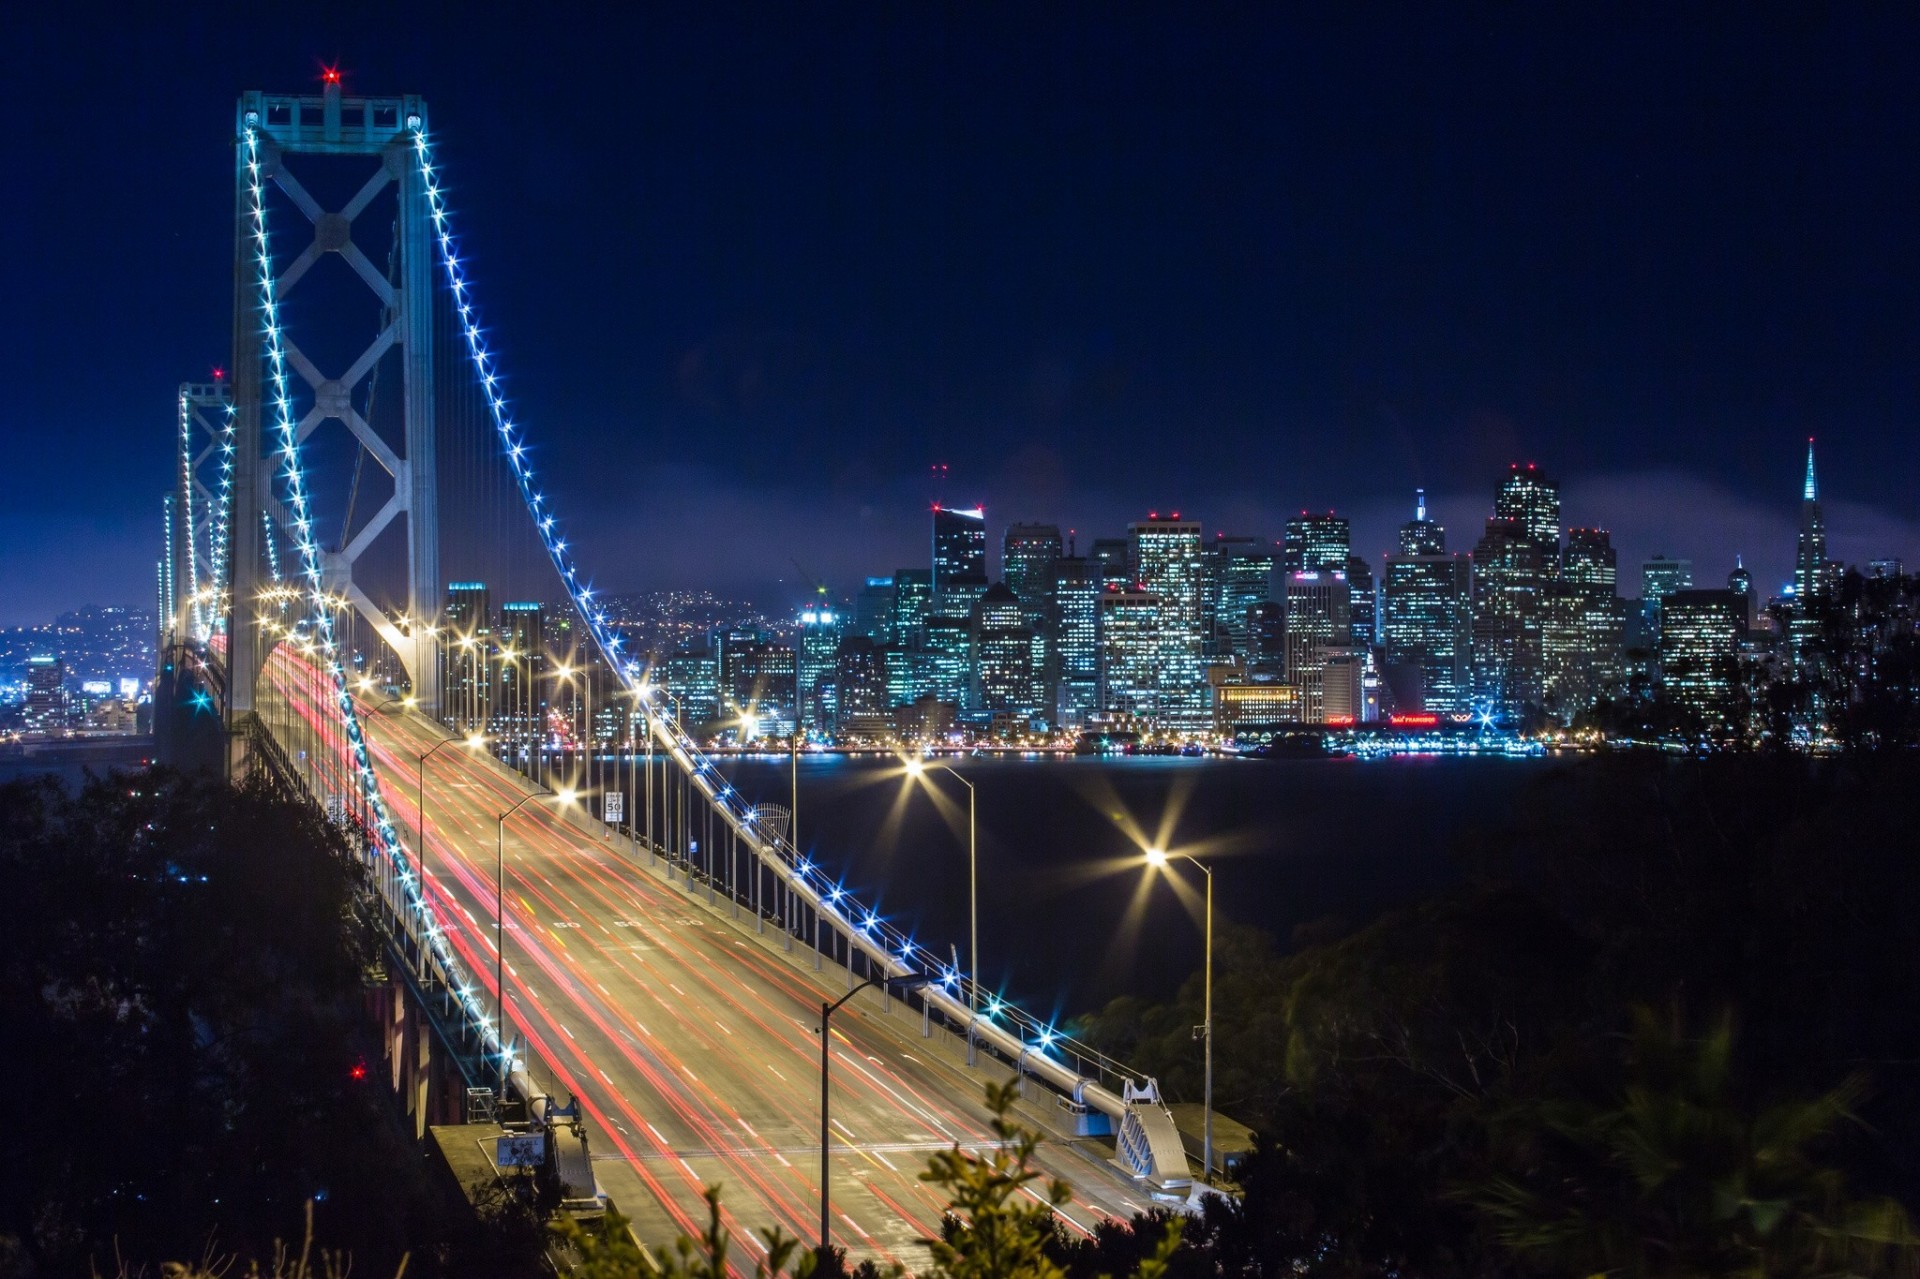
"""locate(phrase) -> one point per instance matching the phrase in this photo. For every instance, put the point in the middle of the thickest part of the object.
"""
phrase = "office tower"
(1420, 535)
(1585, 626)
(1532, 501)
(860, 677)
(466, 655)
(1426, 620)
(1886, 569)
(520, 653)
(1027, 555)
(818, 646)
(1510, 572)
(1132, 658)
(1740, 582)
(873, 610)
(1166, 554)
(1361, 611)
(1700, 637)
(1075, 655)
(1312, 542)
(1114, 556)
(1661, 576)
(961, 594)
(46, 707)
(959, 552)
(1267, 641)
(1002, 677)
(692, 683)
(944, 656)
(912, 603)
(1339, 688)
(1242, 577)
(757, 682)
(1319, 620)
(1810, 550)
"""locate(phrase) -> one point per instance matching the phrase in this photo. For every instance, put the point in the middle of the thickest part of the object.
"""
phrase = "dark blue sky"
(752, 270)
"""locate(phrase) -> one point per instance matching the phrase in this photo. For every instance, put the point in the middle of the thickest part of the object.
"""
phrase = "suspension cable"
(388, 840)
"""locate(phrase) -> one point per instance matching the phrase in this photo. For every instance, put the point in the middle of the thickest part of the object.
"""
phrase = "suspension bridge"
(665, 970)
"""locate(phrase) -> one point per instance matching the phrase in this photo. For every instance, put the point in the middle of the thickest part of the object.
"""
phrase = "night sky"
(751, 271)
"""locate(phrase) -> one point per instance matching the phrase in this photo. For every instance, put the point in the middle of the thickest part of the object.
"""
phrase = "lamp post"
(891, 985)
(1161, 858)
(917, 768)
(473, 742)
(500, 916)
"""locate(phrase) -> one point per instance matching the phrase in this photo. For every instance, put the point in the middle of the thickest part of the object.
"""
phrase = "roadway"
(691, 1042)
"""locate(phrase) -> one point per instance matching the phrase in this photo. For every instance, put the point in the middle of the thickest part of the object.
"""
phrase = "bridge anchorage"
(272, 588)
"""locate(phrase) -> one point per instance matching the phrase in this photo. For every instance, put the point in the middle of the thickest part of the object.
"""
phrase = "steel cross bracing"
(1146, 1129)
(381, 129)
(200, 546)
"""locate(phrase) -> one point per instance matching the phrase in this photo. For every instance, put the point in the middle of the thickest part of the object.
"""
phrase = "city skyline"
(1338, 287)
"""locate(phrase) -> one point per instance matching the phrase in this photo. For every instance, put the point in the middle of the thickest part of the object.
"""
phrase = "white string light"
(388, 840)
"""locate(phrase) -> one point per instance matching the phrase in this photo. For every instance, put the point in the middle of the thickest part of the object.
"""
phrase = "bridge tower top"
(269, 130)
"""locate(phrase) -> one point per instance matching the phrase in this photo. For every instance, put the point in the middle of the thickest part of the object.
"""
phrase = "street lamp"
(499, 919)
(1161, 858)
(473, 742)
(917, 768)
(891, 985)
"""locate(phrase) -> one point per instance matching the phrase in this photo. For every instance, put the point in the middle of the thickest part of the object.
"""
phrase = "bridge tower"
(383, 130)
(198, 543)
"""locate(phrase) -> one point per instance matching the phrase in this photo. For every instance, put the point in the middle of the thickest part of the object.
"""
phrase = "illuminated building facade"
(873, 610)
(959, 555)
(1511, 571)
(1585, 624)
(1700, 637)
(1316, 542)
(1132, 655)
(1319, 620)
(1531, 500)
(1426, 619)
(1028, 553)
(1003, 679)
(1075, 653)
(944, 658)
(817, 652)
(1242, 577)
(860, 678)
(912, 603)
(520, 652)
(466, 649)
(1166, 555)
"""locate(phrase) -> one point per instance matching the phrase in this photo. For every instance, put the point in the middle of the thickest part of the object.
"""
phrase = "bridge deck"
(690, 1040)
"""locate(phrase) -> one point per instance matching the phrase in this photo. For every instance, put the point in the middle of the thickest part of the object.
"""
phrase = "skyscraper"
(1700, 637)
(860, 674)
(873, 610)
(821, 626)
(520, 705)
(1319, 620)
(1076, 648)
(1027, 555)
(1361, 609)
(1511, 570)
(1243, 577)
(912, 603)
(1585, 626)
(1003, 680)
(1166, 554)
(1132, 658)
(1810, 550)
(959, 551)
(1528, 497)
(1312, 542)
(467, 682)
(1426, 619)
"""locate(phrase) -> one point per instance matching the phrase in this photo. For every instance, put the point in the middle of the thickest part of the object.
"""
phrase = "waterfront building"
(1002, 675)
(959, 554)
(1241, 577)
(1585, 625)
(816, 656)
(1511, 570)
(1700, 637)
(692, 683)
(1166, 555)
(1426, 619)
(1318, 621)
(758, 679)
(1074, 657)
(1315, 542)
(1132, 655)
(860, 678)
(1245, 707)
(945, 658)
